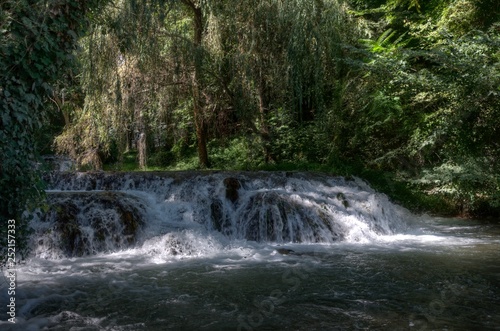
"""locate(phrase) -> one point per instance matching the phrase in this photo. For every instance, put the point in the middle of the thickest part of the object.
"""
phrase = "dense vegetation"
(37, 41)
(405, 93)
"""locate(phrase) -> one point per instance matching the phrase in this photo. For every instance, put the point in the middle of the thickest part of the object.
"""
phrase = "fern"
(383, 44)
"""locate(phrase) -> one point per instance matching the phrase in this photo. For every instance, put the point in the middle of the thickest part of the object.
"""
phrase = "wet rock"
(216, 215)
(264, 218)
(130, 222)
(86, 223)
(68, 228)
(341, 197)
(232, 186)
(277, 217)
(285, 251)
(220, 220)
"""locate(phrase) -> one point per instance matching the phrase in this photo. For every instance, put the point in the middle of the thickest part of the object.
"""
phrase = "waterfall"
(87, 222)
(188, 213)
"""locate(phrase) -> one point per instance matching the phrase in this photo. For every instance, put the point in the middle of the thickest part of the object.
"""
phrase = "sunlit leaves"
(386, 42)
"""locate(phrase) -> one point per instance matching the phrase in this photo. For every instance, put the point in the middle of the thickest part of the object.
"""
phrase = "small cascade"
(173, 212)
(82, 223)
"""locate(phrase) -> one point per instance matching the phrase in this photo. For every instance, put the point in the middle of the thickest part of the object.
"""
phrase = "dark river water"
(444, 277)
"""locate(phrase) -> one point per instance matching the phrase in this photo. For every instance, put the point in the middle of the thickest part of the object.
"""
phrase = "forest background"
(403, 93)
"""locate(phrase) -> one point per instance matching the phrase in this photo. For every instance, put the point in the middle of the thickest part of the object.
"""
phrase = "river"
(332, 255)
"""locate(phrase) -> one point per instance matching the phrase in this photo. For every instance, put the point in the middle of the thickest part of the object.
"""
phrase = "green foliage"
(467, 185)
(396, 91)
(434, 110)
(241, 153)
(386, 42)
(161, 159)
(294, 141)
(254, 59)
(464, 16)
(135, 75)
(36, 42)
(402, 192)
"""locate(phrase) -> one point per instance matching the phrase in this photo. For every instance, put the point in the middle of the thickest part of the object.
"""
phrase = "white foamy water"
(262, 207)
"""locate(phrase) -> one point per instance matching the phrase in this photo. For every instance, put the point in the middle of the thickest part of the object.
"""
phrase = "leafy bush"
(467, 185)
(37, 39)
(238, 153)
(292, 141)
(161, 159)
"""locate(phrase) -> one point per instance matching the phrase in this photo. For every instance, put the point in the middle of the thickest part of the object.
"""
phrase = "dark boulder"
(217, 215)
(232, 186)
(285, 251)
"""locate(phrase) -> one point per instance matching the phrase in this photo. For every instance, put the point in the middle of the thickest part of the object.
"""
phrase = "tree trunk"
(198, 108)
(142, 149)
(264, 129)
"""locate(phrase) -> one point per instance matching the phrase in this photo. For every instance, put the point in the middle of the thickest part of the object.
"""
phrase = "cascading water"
(82, 223)
(99, 212)
(247, 251)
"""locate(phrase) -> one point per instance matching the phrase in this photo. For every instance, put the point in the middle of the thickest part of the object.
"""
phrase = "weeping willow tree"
(405, 86)
(187, 70)
(133, 75)
(278, 63)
